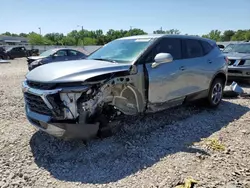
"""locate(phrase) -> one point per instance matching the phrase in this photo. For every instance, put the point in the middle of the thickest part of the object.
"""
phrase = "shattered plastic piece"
(234, 91)
(236, 88)
(188, 183)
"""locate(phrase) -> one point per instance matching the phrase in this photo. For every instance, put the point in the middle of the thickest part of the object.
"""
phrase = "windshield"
(239, 48)
(10, 48)
(121, 50)
(48, 52)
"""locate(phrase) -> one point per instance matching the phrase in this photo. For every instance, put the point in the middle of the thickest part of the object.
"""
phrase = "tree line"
(98, 37)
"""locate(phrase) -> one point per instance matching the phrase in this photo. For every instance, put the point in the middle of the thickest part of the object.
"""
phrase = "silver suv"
(128, 76)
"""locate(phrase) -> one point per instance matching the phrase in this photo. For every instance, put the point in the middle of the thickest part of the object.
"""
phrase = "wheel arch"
(221, 75)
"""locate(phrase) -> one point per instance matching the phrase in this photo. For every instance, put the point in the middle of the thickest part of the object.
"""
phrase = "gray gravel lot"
(159, 150)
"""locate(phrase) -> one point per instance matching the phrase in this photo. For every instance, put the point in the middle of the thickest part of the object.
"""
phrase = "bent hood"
(74, 71)
(237, 55)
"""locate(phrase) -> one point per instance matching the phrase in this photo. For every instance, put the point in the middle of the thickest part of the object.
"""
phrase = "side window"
(72, 53)
(165, 45)
(206, 47)
(192, 48)
(61, 53)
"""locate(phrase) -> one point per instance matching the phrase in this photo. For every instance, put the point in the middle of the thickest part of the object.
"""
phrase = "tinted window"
(61, 53)
(193, 48)
(206, 47)
(165, 45)
(72, 53)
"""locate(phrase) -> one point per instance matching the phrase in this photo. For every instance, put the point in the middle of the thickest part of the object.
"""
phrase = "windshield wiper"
(103, 59)
(243, 52)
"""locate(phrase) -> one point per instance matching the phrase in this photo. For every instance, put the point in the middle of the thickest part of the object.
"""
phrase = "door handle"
(182, 68)
(209, 61)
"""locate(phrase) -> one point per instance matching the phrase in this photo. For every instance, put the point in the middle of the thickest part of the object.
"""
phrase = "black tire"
(104, 130)
(9, 57)
(215, 93)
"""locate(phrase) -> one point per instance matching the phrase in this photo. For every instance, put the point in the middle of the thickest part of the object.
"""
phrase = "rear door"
(22, 52)
(196, 65)
(74, 55)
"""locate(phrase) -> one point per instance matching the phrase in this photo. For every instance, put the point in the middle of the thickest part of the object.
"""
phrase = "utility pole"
(82, 33)
(80, 26)
(40, 30)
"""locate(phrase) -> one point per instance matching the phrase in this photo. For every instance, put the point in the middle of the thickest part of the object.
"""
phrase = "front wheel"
(215, 93)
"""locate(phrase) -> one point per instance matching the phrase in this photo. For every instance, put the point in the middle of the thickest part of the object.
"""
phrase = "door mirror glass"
(163, 58)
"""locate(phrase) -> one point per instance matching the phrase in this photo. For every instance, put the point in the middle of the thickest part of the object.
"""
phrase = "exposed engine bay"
(118, 94)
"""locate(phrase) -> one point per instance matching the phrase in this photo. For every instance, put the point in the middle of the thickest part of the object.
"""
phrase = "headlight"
(247, 62)
(36, 62)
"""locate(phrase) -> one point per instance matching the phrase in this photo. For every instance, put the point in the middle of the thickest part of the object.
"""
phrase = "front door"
(14, 52)
(60, 55)
(168, 83)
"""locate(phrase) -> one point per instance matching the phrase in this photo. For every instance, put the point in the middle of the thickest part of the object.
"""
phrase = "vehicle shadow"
(140, 144)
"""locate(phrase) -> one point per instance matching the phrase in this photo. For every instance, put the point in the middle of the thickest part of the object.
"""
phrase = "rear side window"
(192, 48)
(206, 47)
(72, 53)
(165, 45)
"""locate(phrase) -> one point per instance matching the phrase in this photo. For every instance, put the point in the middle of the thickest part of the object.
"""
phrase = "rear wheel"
(215, 93)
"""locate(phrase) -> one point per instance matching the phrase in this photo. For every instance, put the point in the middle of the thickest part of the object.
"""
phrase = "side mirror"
(53, 56)
(162, 58)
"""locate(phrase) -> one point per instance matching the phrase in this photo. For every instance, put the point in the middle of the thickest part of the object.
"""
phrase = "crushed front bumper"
(52, 124)
(42, 122)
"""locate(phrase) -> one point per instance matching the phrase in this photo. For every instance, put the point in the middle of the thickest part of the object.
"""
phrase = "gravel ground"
(159, 150)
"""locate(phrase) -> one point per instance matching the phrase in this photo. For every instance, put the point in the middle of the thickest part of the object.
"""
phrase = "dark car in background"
(238, 61)
(3, 53)
(55, 55)
(20, 51)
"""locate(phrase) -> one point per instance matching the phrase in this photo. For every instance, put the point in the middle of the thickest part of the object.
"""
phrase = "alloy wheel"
(217, 93)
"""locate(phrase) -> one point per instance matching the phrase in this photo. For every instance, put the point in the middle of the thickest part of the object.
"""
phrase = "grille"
(242, 62)
(235, 71)
(36, 104)
(42, 86)
(231, 61)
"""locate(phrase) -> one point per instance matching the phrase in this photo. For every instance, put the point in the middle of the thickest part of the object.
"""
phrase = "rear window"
(206, 47)
(193, 48)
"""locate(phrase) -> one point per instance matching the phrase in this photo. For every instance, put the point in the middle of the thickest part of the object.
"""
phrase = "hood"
(36, 57)
(74, 71)
(236, 55)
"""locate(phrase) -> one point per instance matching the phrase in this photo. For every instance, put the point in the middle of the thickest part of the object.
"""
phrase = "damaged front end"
(79, 110)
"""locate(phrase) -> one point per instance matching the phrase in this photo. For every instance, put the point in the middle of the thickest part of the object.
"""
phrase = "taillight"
(225, 57)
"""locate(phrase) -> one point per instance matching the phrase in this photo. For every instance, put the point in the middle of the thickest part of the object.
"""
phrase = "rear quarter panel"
(218, 65)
